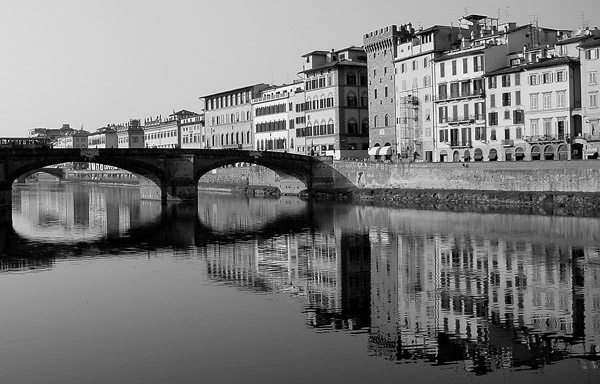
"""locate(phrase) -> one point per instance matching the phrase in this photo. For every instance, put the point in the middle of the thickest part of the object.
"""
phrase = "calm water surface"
(98, 286)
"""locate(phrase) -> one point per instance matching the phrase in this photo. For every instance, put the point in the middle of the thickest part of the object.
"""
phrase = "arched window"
(352, 127)
(386, 120)
(323, 128)
(365, 126)
(364, 99)
(248, 137)
(352, 101)
(374, 121)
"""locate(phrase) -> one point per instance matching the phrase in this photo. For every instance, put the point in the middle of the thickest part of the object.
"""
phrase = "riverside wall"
(539, 176)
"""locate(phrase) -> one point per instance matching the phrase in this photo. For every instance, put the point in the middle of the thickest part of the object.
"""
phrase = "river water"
(99, 286)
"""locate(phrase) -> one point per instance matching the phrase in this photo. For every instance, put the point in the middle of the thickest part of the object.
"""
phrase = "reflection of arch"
(549, 152)
(478, 154)
(493, 155)
(536, 153)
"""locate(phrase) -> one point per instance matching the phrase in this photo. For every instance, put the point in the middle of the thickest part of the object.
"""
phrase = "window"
(506, 99)
(375, 93)
(385, 92)
(480, 133)
(453, 67)
(592, 79)
(534, 127)
(351, 79)
(548, 127)
(507, 133)
(560, 99)
(493, 101)
(547, 100)
(414, 65)
(386, 120)
(493, 118)
(560, 76)
(352, 100)
(506, 80)
(403, 67)
(517, 97)
(517, 79)
(465, 65)
(442, 69)
(493, 134)
(546, 78)
(594, 100)
(518, 116)
(533, 79)
(425, 62)
(374, 121)
(477, 63)
(492, 82)
(591, 54)
(533, 101)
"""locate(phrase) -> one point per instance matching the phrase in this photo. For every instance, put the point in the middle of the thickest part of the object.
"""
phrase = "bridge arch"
(175, 171)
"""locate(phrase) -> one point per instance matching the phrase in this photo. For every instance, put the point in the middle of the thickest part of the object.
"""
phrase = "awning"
(535, 150)
(549, 150)
(467, 155)
(493, 154)
(373, 151)
(478, 155)
(385, 151)
(519, 151)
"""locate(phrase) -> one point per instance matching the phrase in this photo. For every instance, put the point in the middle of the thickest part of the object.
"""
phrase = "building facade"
(228, 117)
(336, 117)
(274, 116)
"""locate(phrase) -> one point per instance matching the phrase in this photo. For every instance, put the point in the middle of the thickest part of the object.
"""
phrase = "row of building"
(477, 91)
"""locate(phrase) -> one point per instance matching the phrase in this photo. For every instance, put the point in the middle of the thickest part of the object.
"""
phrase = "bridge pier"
(185, 190)
(5, 195)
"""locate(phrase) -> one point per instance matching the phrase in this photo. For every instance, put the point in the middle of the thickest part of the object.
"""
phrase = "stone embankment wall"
(573, 184)
(541, 176)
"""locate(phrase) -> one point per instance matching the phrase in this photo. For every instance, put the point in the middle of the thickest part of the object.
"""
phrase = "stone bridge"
(175, 171)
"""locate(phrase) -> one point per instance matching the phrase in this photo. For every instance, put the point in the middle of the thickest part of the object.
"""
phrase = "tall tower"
(381, 46)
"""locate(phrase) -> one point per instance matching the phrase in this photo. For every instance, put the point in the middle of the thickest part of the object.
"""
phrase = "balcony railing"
(544, 138)
(508, 143)
(460, 95)
(460, 144)
(590, 137)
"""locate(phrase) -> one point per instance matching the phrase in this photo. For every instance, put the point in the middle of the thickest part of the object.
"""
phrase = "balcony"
(465, 119)
(540, 139)
(460, 144)
(460, 95)
(589, 137)
(508, 143)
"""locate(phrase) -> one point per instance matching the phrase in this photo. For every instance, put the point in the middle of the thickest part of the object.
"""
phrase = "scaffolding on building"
(411, 139)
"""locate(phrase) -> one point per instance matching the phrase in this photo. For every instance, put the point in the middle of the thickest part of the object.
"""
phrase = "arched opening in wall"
(467, 156)
(263, 181)
(549, 152)
(493, 155)
(563, 152)
(508, 154)
(519, 154)
(536, 153)
(456, 157)
(478, 154)
(443, 156)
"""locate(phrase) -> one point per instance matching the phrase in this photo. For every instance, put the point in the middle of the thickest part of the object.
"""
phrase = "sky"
(90, 63)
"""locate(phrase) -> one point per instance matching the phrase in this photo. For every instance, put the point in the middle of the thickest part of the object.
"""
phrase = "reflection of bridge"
(175, 171)
(59, 173)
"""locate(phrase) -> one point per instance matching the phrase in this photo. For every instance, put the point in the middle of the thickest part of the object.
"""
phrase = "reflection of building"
(493, 303)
